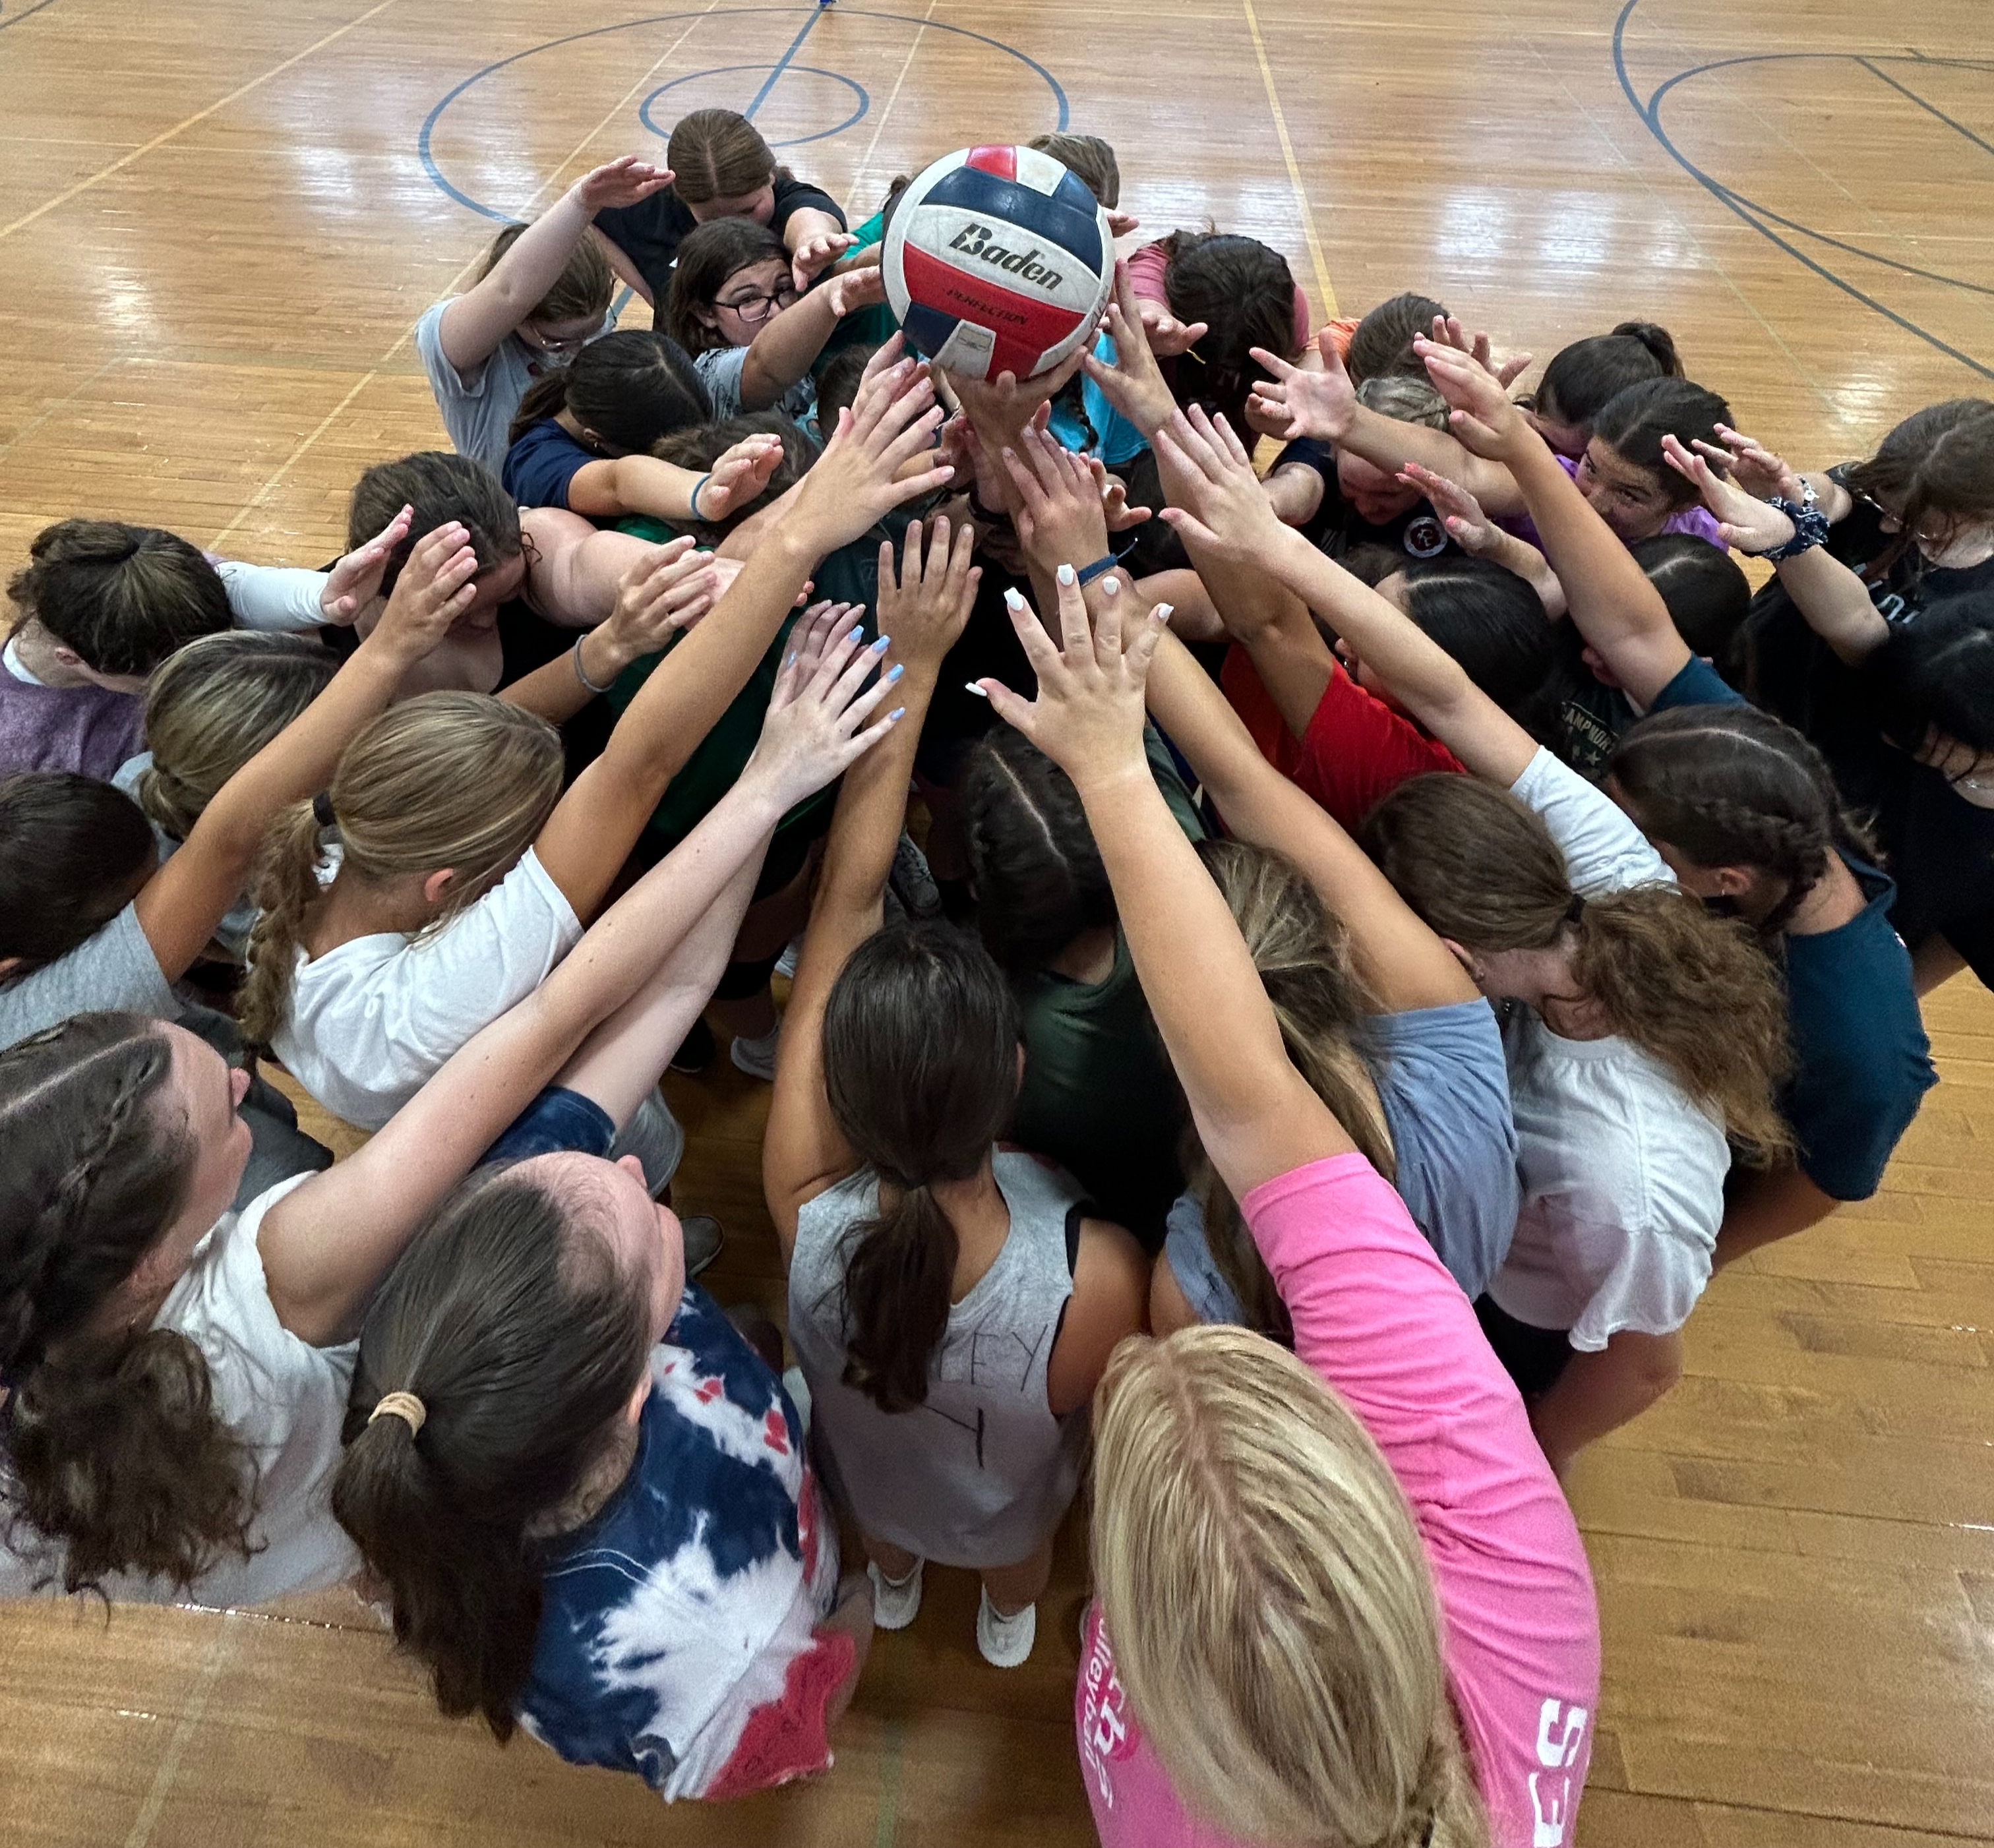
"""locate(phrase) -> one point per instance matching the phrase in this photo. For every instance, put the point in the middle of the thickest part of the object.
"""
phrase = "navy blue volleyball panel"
(927, 329)
(1061, 219)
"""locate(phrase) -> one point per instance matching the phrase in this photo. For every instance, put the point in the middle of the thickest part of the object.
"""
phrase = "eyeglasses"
(756, 308)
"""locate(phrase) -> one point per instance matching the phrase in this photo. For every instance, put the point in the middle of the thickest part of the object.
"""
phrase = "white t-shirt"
(285, 1400)
(373, 1021)
(479, 407)
(1622, 1172)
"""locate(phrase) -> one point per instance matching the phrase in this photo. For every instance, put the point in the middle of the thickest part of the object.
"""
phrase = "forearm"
(810, 222)
(277, 599)
(624, 265)
(1388, 444)
(1522, 559)
(1599, 1392)
(630, 484)
(785, 350)
(555, 691)
(1835, 603)
(871, 808)
(1765, 1207)
(1610, 598)
(475, 324)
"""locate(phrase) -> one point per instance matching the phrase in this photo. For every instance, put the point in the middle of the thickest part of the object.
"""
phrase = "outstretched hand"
(865, 287)
(1217, 501)
(738, 476)
(856, 481)
(999, 407)
(669, 590)
(434, 590)
(1060, 516)
(925, 606)
(1088, 715)
(1133, 383)
(1447, 331)
(814, 255)
(622, 182)
(1480, 414)
(1748, 524)
(816, 728)
(1461, 513)
(1762, 474)
(355, 581)
(1167, 335)
(1291, 402)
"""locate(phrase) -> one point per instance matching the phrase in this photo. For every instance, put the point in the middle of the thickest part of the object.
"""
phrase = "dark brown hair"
(1381, 343)
(117, 1459)
(514, 1326)
(121, 597)
(1935, 468)
(441, 488)
(717, 154)
(1582, 378)
(1731, 785)
(704, 444)
(1039, 881)
(1245, 293)
(921, 1069)
(710, 254)
(1707, 596)
(627, 390)
(1478, 867)
(584, 289)
(73, 850)
(1634, 422)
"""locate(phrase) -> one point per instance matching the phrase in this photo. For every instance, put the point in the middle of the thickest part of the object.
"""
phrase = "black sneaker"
(696, 1051)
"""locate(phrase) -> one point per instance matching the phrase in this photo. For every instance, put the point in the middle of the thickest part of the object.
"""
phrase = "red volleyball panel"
(1022, 326)
(1000, 162)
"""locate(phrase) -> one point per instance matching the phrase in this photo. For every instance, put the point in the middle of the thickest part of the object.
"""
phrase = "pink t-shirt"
(1378, 1317)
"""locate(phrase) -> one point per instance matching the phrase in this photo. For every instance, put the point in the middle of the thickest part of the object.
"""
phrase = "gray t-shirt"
(232, 933)
(722, 368)
(1444, 1088)
(115, 968)
(479, 408)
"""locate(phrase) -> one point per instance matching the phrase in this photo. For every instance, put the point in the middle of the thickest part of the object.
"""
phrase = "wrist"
(1108, 778)
(601, 655)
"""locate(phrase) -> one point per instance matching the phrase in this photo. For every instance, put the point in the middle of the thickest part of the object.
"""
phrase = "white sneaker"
(1005, 1642)
(895, 1603)
(757, 1057)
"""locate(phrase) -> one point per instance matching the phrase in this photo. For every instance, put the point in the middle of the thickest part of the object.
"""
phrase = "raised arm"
(1229, 512)
(788, 346)
(1255, 1112)
(180, 905)
(922, 612)
(1616, 606)
(851, 486)
(475, 326)
(326, 1246)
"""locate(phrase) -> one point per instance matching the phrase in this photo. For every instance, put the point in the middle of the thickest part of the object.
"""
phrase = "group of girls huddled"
(1298, 977)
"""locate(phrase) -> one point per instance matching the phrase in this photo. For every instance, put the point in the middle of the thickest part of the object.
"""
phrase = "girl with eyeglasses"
(754, 339)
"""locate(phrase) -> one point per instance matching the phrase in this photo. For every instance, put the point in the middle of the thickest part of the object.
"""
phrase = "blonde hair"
(1090, 159)
(1404, 399)
(458, 780)
(212, 706)
(1269, 1602)
(1301, 951)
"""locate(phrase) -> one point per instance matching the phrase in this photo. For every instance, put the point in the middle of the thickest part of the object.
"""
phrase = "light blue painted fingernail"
(879, 647)
(898, 712)
(792, 661)
(898, 670)
(1066, 574)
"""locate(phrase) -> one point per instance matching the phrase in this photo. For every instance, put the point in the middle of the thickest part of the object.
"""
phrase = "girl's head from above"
(1648, 961)
(1707, 595)
(1381, 343)
(73, 853)
(1301, 950)
(1932, 479)
(731, 277)
(1582, 378)
(442, 487)
(1743, 809)
(1269, 1602)
(1487, 618)
(702, 446)
(522, 1321)
(619, 394)
(1621, 473)
(1245, 293)
(1937, 673)
(1039, 882)
(116, 600)
(434, 801)
(124, 1146)
(723, 167)
(922, 1062)
(213, 707)
(570, 314)
(1091, 159)
(1378, 497)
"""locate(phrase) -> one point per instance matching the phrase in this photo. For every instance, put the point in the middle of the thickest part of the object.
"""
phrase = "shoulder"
(1603, 851)
(1697, 683)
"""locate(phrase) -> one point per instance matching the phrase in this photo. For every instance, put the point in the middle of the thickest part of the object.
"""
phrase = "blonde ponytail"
(286, 888)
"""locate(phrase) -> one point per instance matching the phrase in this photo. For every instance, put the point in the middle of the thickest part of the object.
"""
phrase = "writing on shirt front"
(1104, 1736)
(1560, 1737)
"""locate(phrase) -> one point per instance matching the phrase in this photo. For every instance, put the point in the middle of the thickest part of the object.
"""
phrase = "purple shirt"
(1697, 519)
(83, 728)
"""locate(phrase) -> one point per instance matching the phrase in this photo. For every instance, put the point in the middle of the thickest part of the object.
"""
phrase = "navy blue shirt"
(1861, 1063)
(540, 465)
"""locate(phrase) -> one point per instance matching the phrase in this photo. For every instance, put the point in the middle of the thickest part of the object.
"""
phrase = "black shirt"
(1337, 528)
(649, 232)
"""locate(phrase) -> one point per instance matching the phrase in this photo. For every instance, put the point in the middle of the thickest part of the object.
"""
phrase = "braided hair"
(114, 1458)
(1731, 785)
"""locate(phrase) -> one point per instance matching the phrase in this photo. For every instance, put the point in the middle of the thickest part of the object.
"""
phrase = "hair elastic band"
(1575, 910)
(581, 672)
(696, 487)
(403, 1406)
(322, 809)
(1087, 573)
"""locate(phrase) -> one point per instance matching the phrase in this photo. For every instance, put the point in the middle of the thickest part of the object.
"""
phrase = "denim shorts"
(556, 1121)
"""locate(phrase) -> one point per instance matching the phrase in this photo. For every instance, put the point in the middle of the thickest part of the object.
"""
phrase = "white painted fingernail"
(1066, 574)
(1161, 612)
(1012, 601)
(1110, 587)
(970, 686)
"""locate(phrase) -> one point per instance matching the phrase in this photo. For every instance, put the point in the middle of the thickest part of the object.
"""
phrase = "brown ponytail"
(116, 1458)
(920, 1063)
(514, 1328)
(1480, 868)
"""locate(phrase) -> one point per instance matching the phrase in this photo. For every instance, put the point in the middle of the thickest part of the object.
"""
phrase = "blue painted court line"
(26, 12)
(783, 64)
(1929, 108)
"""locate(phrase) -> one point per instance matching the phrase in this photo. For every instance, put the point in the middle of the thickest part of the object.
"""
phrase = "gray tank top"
(982, 1473)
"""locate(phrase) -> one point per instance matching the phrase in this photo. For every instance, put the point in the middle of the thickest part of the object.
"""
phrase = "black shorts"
(1533, 1357)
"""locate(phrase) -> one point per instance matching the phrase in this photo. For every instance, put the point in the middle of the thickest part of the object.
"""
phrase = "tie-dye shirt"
(678, 1637)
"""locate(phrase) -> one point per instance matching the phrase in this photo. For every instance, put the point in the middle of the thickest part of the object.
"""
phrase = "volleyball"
(998, 260)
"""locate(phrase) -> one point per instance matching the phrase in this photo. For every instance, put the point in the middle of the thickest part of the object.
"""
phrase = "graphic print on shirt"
(1105, 1736)
(1560, 1736)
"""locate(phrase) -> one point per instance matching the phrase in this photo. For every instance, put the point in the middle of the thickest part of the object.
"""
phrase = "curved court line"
(1650, 114)
(26, 13)
(795, 140)
(425, 136)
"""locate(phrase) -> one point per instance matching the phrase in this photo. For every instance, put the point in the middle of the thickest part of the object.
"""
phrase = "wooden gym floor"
(218, 223)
